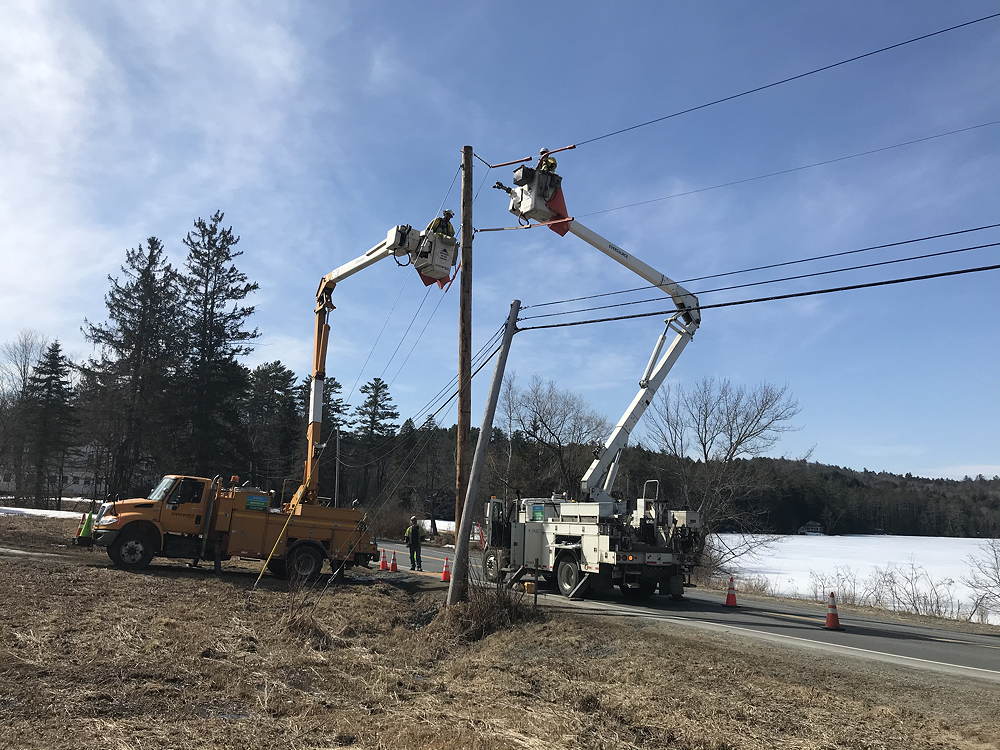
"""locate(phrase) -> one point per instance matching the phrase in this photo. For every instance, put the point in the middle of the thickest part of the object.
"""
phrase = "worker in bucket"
(442, 224)
(546, 162)
(412, 536)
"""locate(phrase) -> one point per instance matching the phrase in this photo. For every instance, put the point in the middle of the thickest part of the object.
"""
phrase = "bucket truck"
(596, 541)
(201, 518)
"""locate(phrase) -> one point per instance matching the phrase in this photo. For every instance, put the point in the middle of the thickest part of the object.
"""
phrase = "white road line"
(813, 643)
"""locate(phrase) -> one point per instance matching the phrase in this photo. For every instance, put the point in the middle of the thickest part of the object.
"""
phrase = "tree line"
(165, 390)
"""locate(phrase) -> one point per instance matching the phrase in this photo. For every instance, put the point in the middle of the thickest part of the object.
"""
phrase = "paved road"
(865, 636)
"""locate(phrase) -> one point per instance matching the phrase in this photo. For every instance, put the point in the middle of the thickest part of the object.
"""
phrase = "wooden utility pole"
(464, 341)
(458, 591)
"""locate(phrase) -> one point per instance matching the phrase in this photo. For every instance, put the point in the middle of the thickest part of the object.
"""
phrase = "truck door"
(182, 513)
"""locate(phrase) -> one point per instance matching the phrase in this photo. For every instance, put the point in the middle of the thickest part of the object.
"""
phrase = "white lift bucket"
(533, 190)
(435, 256)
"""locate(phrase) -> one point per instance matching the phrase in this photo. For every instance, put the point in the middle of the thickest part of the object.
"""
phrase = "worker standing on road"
(412, 536)
(442, 224)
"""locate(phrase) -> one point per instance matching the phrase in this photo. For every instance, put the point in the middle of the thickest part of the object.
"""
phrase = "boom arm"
(683, 324)
(432, 255)
(536, 197)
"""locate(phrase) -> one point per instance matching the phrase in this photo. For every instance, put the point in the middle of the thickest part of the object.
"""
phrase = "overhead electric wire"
(406, 332)
(371, 351)
(789, 79)
(774, 298)
(789, 170)
(771, 281)
(389, 439)
(766, 266)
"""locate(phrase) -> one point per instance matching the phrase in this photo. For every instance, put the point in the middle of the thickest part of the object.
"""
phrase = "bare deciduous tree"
(984, 578)
(17, 358)
(557, 431)
(707, 432)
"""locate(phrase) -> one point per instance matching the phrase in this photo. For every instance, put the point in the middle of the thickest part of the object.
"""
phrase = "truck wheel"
(674, 586)
(304, 563)
(644, 590)
(278, 569)
(133, 549)
(567, 574)
(491, 566)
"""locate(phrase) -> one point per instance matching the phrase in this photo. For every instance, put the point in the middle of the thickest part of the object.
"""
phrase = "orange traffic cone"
(446, 573)
(832, 618)
(393, 568)
(731, 593)
(383, 564)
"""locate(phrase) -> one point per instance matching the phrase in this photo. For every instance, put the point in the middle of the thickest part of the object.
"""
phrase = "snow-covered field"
(926, 569)
(6, 511)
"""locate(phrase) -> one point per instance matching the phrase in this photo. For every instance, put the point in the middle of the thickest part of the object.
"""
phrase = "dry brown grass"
(488, 610)
(172, 658)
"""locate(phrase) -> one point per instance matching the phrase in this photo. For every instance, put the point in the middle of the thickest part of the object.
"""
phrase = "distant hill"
(789, 493)
(848, 501)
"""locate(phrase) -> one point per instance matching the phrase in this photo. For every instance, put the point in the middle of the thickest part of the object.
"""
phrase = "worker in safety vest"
(442, 224)
(546, 163)
(412, 537)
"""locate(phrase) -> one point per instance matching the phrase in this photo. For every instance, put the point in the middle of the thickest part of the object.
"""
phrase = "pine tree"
(373, 418)
(271, 425)
(375, 428)
(216, 321)
(50, 421)
(129, 393)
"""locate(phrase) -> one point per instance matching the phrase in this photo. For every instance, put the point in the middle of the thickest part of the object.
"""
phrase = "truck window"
(187, 491)
(162, 489)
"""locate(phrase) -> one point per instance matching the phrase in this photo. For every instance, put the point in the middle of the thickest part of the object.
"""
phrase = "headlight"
(108, 521)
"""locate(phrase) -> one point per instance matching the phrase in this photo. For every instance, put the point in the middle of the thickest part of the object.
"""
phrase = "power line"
(389, 439)
(406, 332)
(791, 170)
(764, 267)
(773, 281)
(371, 351)
(378, 338)
(789, 79)
(810, 293)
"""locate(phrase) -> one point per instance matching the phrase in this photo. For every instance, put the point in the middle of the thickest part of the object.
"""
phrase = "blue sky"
(316, 126)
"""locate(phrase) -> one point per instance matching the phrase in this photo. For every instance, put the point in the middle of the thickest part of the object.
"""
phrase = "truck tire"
(491, 566)
(567, 573)
(133, 548)
(674, 587)
(304, 563)
(278, 568)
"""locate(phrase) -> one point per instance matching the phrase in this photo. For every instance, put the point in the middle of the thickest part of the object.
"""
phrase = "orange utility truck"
(203, 519)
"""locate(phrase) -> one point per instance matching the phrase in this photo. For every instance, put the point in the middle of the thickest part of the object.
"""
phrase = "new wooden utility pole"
(464, 341)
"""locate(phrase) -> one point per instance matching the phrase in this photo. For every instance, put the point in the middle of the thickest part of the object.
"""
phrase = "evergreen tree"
(375, 428)
(374, 417)
(50, 420)
(129, 394)
(271, 425)
(216, 323)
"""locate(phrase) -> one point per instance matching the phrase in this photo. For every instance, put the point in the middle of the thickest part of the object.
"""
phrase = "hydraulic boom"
(537, 196)
(431, 253)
